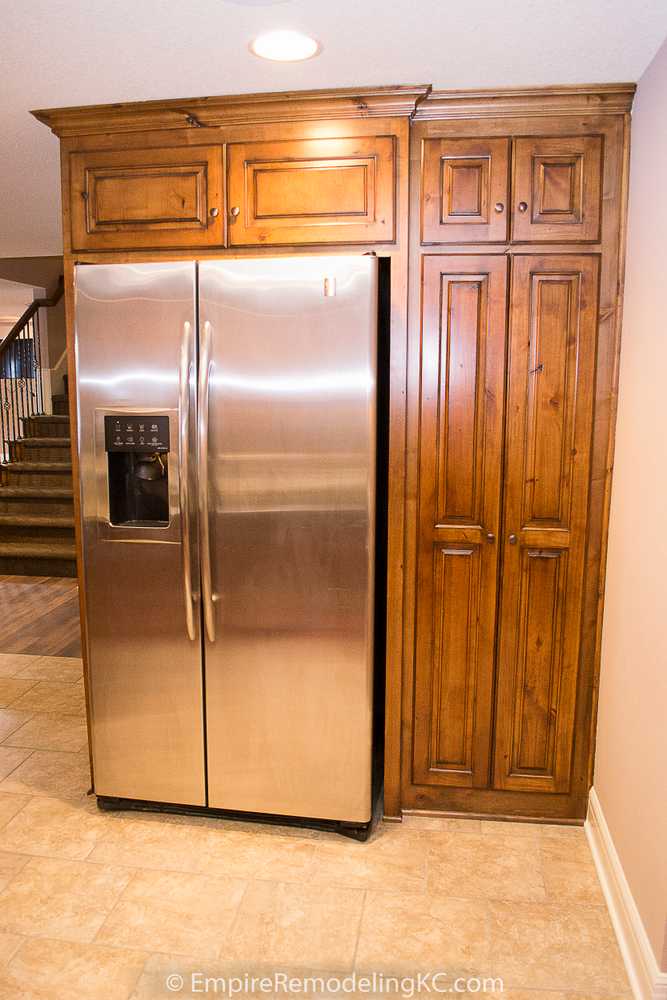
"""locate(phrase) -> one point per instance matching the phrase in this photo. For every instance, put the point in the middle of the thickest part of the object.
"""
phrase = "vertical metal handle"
(204, 537)
(183, 476)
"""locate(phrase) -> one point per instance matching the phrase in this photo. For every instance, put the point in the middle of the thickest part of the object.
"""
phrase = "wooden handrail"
(34, 306)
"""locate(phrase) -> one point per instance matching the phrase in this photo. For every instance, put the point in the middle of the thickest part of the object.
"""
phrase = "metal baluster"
(22, 382)
(4, 413)
(38, 364)
(14, 406)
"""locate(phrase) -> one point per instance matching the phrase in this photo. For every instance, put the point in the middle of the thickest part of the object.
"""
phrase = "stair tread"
(34, 492)
(32, 550)
(52, 418)
(37, 520)
(37, 466)
(45, 442)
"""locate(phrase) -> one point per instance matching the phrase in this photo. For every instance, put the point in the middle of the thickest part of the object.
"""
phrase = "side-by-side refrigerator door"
(135, 335)
(287, 497)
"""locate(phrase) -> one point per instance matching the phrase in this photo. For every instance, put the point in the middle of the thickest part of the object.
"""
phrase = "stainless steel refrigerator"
(226, 433)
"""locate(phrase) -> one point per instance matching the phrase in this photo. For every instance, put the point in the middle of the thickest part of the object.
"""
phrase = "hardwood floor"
(39, 615)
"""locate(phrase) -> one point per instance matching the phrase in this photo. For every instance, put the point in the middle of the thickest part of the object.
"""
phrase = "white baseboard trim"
(647, 982)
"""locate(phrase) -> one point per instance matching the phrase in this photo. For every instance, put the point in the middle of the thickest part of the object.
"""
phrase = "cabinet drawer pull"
(512, 539)
(214, 213)
(523, 206)
(499, 207)
(235, 211)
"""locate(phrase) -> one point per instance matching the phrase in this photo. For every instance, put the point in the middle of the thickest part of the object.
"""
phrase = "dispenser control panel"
(144, 432)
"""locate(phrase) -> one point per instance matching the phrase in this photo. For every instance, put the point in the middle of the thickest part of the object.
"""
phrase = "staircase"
(36, 506)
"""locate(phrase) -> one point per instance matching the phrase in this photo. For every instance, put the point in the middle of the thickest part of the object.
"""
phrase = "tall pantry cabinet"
(517, 215)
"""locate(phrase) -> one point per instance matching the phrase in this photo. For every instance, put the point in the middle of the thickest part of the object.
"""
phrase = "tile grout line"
(133, 876)
(30, 754)
(235, 918)
(358, 937)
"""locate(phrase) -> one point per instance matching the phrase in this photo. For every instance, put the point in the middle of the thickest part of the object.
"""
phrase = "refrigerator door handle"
(183, 476)
(205, 542)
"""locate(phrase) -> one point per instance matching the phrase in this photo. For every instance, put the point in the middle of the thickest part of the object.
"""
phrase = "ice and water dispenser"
(137, 448)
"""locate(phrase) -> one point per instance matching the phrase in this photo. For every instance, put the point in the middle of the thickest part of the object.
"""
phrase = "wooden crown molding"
(607, 98)
(236, 109)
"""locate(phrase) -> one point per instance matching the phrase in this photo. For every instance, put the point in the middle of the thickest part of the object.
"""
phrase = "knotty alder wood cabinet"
(286, 192)
(515, 273)
(553, 196)
(506, 259)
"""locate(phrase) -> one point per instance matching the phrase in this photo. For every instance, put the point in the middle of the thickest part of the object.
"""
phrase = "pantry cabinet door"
(464, 196)
(552, 349)
(557, 189)
(462, 389)
(305, 191)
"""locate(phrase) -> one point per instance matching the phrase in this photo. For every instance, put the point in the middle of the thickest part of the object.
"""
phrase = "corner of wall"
(647, 981)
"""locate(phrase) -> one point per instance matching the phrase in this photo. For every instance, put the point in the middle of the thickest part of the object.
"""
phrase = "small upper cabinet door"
(557, 190)
(308, 191)
(147, 198)
(464, 190)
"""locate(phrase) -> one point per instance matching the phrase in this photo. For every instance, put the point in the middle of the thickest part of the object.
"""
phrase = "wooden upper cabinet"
(552, 351)
(557, 189)
(145, 198)
(464, 190)
(462, 388)
(306, 191)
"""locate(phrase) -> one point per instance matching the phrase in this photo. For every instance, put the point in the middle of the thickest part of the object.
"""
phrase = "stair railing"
(21, 376)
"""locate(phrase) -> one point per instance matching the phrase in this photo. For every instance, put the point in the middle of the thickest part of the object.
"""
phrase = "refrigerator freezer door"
(291, 491)
(136, 358)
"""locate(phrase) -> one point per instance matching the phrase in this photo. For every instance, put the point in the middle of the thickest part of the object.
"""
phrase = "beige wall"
(631, 761)
(44, 273)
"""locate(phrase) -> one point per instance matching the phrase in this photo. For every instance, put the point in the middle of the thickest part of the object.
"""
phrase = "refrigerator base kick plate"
(355, 831)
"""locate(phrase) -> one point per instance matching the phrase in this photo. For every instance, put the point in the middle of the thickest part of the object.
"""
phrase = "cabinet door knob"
(214, 213)
(512, 539)
(490, 537)
(499, 207)
(235, 211)
(523, 206)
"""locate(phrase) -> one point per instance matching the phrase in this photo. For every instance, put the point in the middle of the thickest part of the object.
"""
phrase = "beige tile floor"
(98, 905)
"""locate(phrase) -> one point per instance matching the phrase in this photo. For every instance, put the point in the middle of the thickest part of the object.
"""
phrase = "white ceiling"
(61, 52)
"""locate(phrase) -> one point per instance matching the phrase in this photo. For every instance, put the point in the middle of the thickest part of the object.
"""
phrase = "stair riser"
(45, 428)
(18, 533)
(20, 452)
(44, 505)
(59, 480)
(30, 566)
(61, 406)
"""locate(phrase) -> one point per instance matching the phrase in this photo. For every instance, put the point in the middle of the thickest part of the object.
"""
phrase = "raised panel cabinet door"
(462, 392)
(464, 194)
(557, 189)
(306, 191)
(145, 198)
(551, 376)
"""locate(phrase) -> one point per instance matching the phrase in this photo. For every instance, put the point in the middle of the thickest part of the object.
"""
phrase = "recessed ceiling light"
(285, 46)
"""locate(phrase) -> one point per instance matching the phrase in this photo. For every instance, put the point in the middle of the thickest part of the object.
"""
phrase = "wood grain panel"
(553, 340)
(464, 190)
(460, 408)
(462, 388)
(538, 648)
(560, 182)
(147, 198)
(551, 399)
(455, 611)
(302, 191)
(312, 191)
